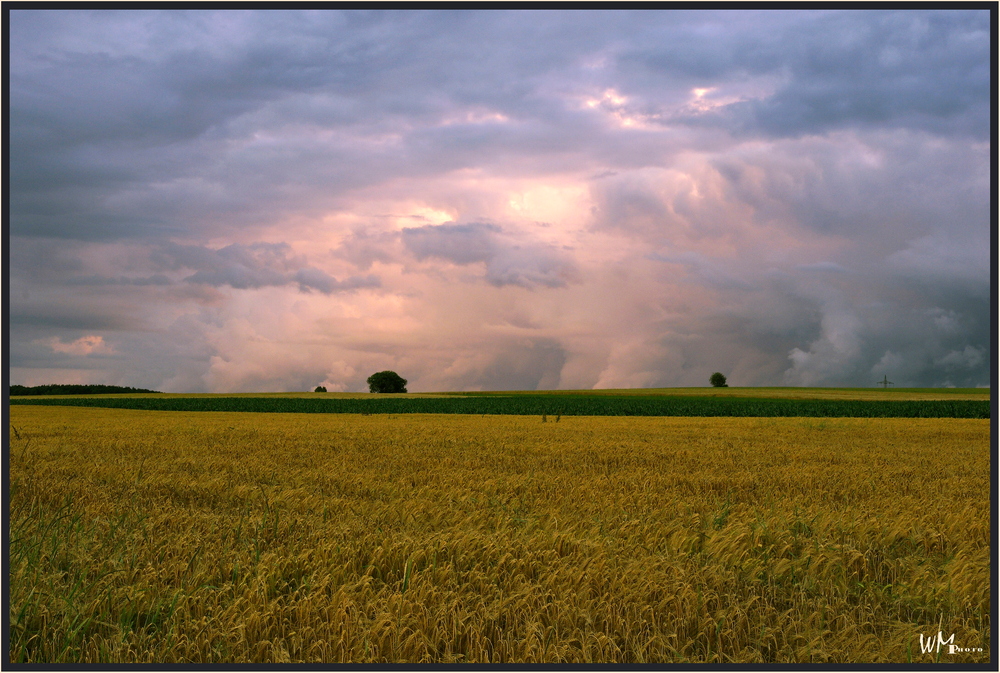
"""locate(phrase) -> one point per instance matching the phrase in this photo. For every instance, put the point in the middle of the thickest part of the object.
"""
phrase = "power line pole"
(885, 382)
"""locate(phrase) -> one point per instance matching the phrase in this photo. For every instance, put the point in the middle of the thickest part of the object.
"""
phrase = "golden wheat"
(220, 537)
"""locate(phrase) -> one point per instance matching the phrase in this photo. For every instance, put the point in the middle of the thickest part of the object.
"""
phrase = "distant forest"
(75, 390)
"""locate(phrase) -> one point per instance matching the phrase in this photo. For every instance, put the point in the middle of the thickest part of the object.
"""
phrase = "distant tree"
(320, 389)
(386, 382)
(718, 380)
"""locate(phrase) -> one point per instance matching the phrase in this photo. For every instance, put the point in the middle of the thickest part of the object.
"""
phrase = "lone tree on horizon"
(718, 380)
(386, 382)
(320, 389)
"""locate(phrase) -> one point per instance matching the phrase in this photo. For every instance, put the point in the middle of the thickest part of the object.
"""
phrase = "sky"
(249, 201)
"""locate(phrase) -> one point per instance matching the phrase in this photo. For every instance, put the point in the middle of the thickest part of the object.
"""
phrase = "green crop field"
(731, 402)
(787, 393)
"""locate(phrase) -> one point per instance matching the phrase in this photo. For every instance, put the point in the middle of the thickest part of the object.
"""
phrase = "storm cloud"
(236, 200)
(253, 266)
(507, 261)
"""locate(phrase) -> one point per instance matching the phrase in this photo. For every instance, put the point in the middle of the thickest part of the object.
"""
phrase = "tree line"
(73, 389)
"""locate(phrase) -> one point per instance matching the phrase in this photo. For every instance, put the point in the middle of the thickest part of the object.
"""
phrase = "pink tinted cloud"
(86, 345)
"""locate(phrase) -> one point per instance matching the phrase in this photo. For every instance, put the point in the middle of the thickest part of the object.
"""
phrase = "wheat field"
(178, 537)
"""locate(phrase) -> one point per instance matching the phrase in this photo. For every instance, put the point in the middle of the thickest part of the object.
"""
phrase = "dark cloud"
(823, 71)
(922, 70)
(363, 248)
(62, 316)
(633, 206)
(458, 243)
(823, 267)
(530, 267)
(507, 262)
(527, 364)
(253, 266)
(156, 279)
(312, 278)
